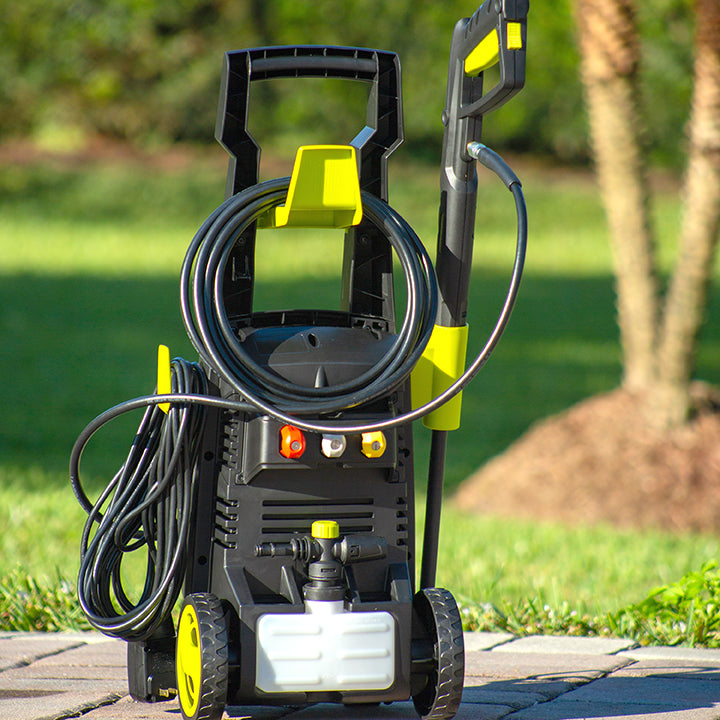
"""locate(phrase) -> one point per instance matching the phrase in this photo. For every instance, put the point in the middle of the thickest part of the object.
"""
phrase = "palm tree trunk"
(610, 50)
(687, 294)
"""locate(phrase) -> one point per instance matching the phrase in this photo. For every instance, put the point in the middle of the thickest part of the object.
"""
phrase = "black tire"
(440, 698)
(202, 658)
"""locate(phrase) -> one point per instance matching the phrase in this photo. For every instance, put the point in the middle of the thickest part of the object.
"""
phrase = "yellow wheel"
(202, 658)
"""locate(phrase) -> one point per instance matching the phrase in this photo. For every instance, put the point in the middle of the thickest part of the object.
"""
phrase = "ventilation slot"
(286, 517)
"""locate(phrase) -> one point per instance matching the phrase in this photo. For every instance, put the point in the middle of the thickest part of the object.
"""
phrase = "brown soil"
(600, 462)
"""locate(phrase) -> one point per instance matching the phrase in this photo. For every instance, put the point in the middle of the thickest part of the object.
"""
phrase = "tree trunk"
(610, 50)
(687, 294)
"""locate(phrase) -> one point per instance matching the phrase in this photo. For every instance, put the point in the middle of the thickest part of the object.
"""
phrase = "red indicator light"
(292, 442)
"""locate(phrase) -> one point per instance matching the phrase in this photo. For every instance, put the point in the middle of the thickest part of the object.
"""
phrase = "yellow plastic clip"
(442, 363)
(324, 190)
(164, 383)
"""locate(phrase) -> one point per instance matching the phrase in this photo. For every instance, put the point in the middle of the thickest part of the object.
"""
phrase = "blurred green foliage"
(149, 71)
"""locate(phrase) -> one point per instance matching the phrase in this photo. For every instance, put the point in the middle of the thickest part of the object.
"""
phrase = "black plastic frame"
(367, 262)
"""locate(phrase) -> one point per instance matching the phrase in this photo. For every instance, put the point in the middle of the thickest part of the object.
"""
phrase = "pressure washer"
(271, 482)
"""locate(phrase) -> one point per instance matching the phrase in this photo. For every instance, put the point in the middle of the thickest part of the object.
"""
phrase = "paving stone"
(674, 653)
(48, 636)
(471, 711)
(37, 671)
(486, 693)
(669, 693)
(566, 645)
(396, 711)
(539, 688)
(116, 685)
(485, 640)
(109, 653)
(127, 709)
(259, 713)
(333, 711)
(19, 650)
(676, 669)
(581, 710)
(570, 668)
(46, 705)
(536, 678)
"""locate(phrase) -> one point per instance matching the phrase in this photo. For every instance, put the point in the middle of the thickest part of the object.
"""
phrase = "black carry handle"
(303, 61)
(367, 256)
(384, 110)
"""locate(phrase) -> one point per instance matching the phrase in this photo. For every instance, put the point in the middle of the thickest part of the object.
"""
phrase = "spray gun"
(496, 34)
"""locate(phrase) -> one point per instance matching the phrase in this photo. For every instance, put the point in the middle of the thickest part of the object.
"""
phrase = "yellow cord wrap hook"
(164, 383)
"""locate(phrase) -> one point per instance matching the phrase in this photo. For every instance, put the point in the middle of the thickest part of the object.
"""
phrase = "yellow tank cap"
(325, 529)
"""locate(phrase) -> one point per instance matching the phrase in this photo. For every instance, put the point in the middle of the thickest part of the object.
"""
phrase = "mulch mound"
(599, 462)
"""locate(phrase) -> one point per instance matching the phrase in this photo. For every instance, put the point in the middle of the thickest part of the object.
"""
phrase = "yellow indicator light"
(164, 382)
(373, 444)
(514, 36)
(325, 529)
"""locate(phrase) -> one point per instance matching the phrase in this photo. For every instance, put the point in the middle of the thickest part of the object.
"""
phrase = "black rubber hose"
(211, 333)
(209, 329)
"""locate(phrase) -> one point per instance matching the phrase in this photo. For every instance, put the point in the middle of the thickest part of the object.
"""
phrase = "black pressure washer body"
(279, 492)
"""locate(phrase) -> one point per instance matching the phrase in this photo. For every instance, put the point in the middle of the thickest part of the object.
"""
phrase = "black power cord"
(148, 505)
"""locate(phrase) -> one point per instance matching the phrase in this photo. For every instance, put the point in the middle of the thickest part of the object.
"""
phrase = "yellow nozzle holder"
(325, 529)
(442, 363)
(164, 374)
(324, 190)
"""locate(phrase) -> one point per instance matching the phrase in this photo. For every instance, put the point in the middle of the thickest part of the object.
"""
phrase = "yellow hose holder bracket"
(164, 374)
(442, 363)
(324, 190)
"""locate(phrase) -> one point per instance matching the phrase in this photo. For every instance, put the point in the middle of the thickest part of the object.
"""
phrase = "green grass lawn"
(89, 265)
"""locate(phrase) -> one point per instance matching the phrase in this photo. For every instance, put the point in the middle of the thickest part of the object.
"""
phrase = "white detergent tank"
(325, 649)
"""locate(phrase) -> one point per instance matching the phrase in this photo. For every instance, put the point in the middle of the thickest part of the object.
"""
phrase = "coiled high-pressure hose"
(209, 329)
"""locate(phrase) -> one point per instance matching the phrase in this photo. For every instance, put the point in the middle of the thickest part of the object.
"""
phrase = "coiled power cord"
(147, 504)
(149, 500)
